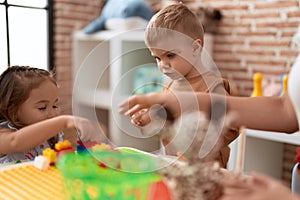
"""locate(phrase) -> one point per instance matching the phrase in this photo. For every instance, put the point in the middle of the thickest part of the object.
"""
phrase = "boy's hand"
(141, 118)
(150, 121)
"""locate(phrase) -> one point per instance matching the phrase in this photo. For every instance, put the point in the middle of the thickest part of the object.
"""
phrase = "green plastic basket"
(107, 175)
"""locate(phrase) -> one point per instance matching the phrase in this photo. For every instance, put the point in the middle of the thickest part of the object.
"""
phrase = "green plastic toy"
(107, 175)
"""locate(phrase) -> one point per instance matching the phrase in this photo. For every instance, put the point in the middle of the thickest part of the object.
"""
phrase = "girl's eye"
(42, 108)
(55, 107)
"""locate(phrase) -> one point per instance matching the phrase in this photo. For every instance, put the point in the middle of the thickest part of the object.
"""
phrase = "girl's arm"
(32, 135)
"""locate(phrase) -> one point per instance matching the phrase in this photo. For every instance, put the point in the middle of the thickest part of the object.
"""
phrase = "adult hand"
(258, 187)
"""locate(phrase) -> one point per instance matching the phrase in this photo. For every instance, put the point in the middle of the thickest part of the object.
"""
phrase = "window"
(26, 33)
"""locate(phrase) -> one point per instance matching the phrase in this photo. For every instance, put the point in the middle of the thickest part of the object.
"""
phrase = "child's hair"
(176, 17)
(16, 83)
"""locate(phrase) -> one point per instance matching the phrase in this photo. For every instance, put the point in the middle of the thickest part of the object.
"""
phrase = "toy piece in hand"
(120, 9)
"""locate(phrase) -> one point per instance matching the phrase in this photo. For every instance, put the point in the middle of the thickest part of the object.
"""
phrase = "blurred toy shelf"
(97, 100)
(104, 71)
(263, 151)
(108, 34)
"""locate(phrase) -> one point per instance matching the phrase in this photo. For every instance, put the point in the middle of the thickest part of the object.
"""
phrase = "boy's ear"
(197, 46)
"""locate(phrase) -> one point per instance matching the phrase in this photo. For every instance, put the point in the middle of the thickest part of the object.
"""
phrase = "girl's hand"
(86, 129)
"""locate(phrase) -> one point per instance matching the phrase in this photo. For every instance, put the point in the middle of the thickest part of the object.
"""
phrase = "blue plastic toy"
(120, 9)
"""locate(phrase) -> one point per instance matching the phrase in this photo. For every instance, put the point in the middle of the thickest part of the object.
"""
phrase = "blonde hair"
(176, 17)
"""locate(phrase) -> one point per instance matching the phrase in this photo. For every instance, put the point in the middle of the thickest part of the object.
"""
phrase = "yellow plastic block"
(50, 154)
(101, 147)
(63, 145)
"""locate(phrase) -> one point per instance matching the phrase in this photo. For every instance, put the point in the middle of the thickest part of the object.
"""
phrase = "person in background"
(29, 114)
(175, 38)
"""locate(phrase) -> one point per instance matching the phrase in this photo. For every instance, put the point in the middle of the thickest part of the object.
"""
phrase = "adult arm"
(264, 113)
(257, 187)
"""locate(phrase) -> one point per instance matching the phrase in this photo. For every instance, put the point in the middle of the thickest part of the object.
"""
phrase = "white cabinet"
(104, 69)
(263, 151)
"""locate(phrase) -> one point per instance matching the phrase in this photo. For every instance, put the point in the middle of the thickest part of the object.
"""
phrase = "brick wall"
(69, 15)
(253, 36)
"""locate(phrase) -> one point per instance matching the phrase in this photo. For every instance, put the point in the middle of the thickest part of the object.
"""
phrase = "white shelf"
(275, 136)
(263, 151)
(95, 97)
(135, 35)
(104, 65)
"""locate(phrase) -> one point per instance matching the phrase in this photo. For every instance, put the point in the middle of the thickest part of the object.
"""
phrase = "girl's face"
(40, 105)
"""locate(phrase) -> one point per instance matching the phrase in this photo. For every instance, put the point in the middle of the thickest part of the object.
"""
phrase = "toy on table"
(25, 181)
(120, 9)
(63, 148)
(41, 162)
(84, 146)
(84, 179)
(79, 176)
(257, 87)
(50, 154)
(284, 84)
